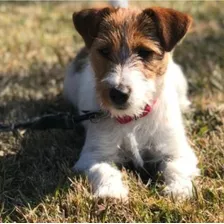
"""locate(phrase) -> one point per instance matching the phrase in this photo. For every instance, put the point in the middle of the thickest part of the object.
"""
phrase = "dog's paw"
(179, 189)
(112, 188)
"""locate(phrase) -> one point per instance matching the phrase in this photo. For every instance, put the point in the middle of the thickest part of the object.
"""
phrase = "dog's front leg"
(179, 163)
(178, 173)
(106, 180)
(96, 161)
(179, 167)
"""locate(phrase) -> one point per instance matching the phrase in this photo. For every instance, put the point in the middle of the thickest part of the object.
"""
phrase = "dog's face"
(129, 53)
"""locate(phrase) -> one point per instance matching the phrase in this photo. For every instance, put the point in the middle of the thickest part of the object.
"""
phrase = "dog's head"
(129, 53)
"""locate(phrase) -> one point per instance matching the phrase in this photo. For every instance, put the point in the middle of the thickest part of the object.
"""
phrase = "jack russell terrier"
(126, 69)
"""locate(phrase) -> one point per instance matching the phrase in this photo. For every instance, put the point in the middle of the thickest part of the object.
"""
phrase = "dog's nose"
(119, 96)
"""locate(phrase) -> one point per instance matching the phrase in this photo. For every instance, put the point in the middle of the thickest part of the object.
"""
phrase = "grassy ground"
(36, 184)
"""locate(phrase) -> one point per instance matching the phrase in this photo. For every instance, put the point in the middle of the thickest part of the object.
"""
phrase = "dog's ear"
(87, 23)
(171, 25)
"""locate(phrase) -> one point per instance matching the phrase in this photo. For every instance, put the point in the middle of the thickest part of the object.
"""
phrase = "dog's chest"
(138, 134)
(136, 142)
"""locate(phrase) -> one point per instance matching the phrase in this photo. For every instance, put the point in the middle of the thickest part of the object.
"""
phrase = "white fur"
(161, 132)
(119, 3)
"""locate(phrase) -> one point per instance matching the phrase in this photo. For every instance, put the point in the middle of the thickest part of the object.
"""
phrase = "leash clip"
(95, 118)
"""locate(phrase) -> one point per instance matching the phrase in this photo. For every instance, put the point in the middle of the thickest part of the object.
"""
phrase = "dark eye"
(105, 52)
(144, 53)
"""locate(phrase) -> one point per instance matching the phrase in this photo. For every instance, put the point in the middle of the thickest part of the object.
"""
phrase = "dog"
(126, 70)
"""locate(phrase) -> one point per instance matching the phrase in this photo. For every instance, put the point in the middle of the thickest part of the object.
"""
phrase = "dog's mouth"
(123, 110)
(121, 107)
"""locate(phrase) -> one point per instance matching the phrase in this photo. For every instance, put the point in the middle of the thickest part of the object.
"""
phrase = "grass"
(37, 40)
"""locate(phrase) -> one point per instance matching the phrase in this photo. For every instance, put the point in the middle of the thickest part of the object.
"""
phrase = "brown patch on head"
(128, 36)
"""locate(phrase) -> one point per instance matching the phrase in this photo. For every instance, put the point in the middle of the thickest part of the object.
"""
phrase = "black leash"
(54, 121)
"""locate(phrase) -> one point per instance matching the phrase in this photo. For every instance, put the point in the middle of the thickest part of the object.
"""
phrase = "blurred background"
(37, 40)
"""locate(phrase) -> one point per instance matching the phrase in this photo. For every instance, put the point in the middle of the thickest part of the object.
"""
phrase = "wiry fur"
(160, 134)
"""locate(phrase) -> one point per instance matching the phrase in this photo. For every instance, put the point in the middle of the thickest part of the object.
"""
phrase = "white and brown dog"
(126, 69)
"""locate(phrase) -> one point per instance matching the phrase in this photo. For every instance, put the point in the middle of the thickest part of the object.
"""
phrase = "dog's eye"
(105, 52)
(144, 53)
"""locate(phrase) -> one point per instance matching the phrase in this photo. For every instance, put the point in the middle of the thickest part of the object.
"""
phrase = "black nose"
(119, 96)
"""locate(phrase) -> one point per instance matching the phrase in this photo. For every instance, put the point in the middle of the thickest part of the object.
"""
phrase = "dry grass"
(36, 184)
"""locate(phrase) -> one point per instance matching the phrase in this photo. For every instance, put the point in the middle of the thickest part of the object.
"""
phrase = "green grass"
(37, 40)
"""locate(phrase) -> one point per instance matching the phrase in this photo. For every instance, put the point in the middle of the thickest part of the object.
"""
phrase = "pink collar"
(126, 119)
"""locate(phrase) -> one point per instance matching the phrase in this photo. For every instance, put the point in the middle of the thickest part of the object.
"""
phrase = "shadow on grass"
(39, 165)
(34, 164)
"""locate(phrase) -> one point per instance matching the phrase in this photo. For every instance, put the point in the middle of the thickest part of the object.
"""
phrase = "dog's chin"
(121, 107)
(124, 110)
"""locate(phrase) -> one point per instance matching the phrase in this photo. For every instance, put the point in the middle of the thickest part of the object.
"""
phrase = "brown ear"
(87, 23)
(171, 25)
